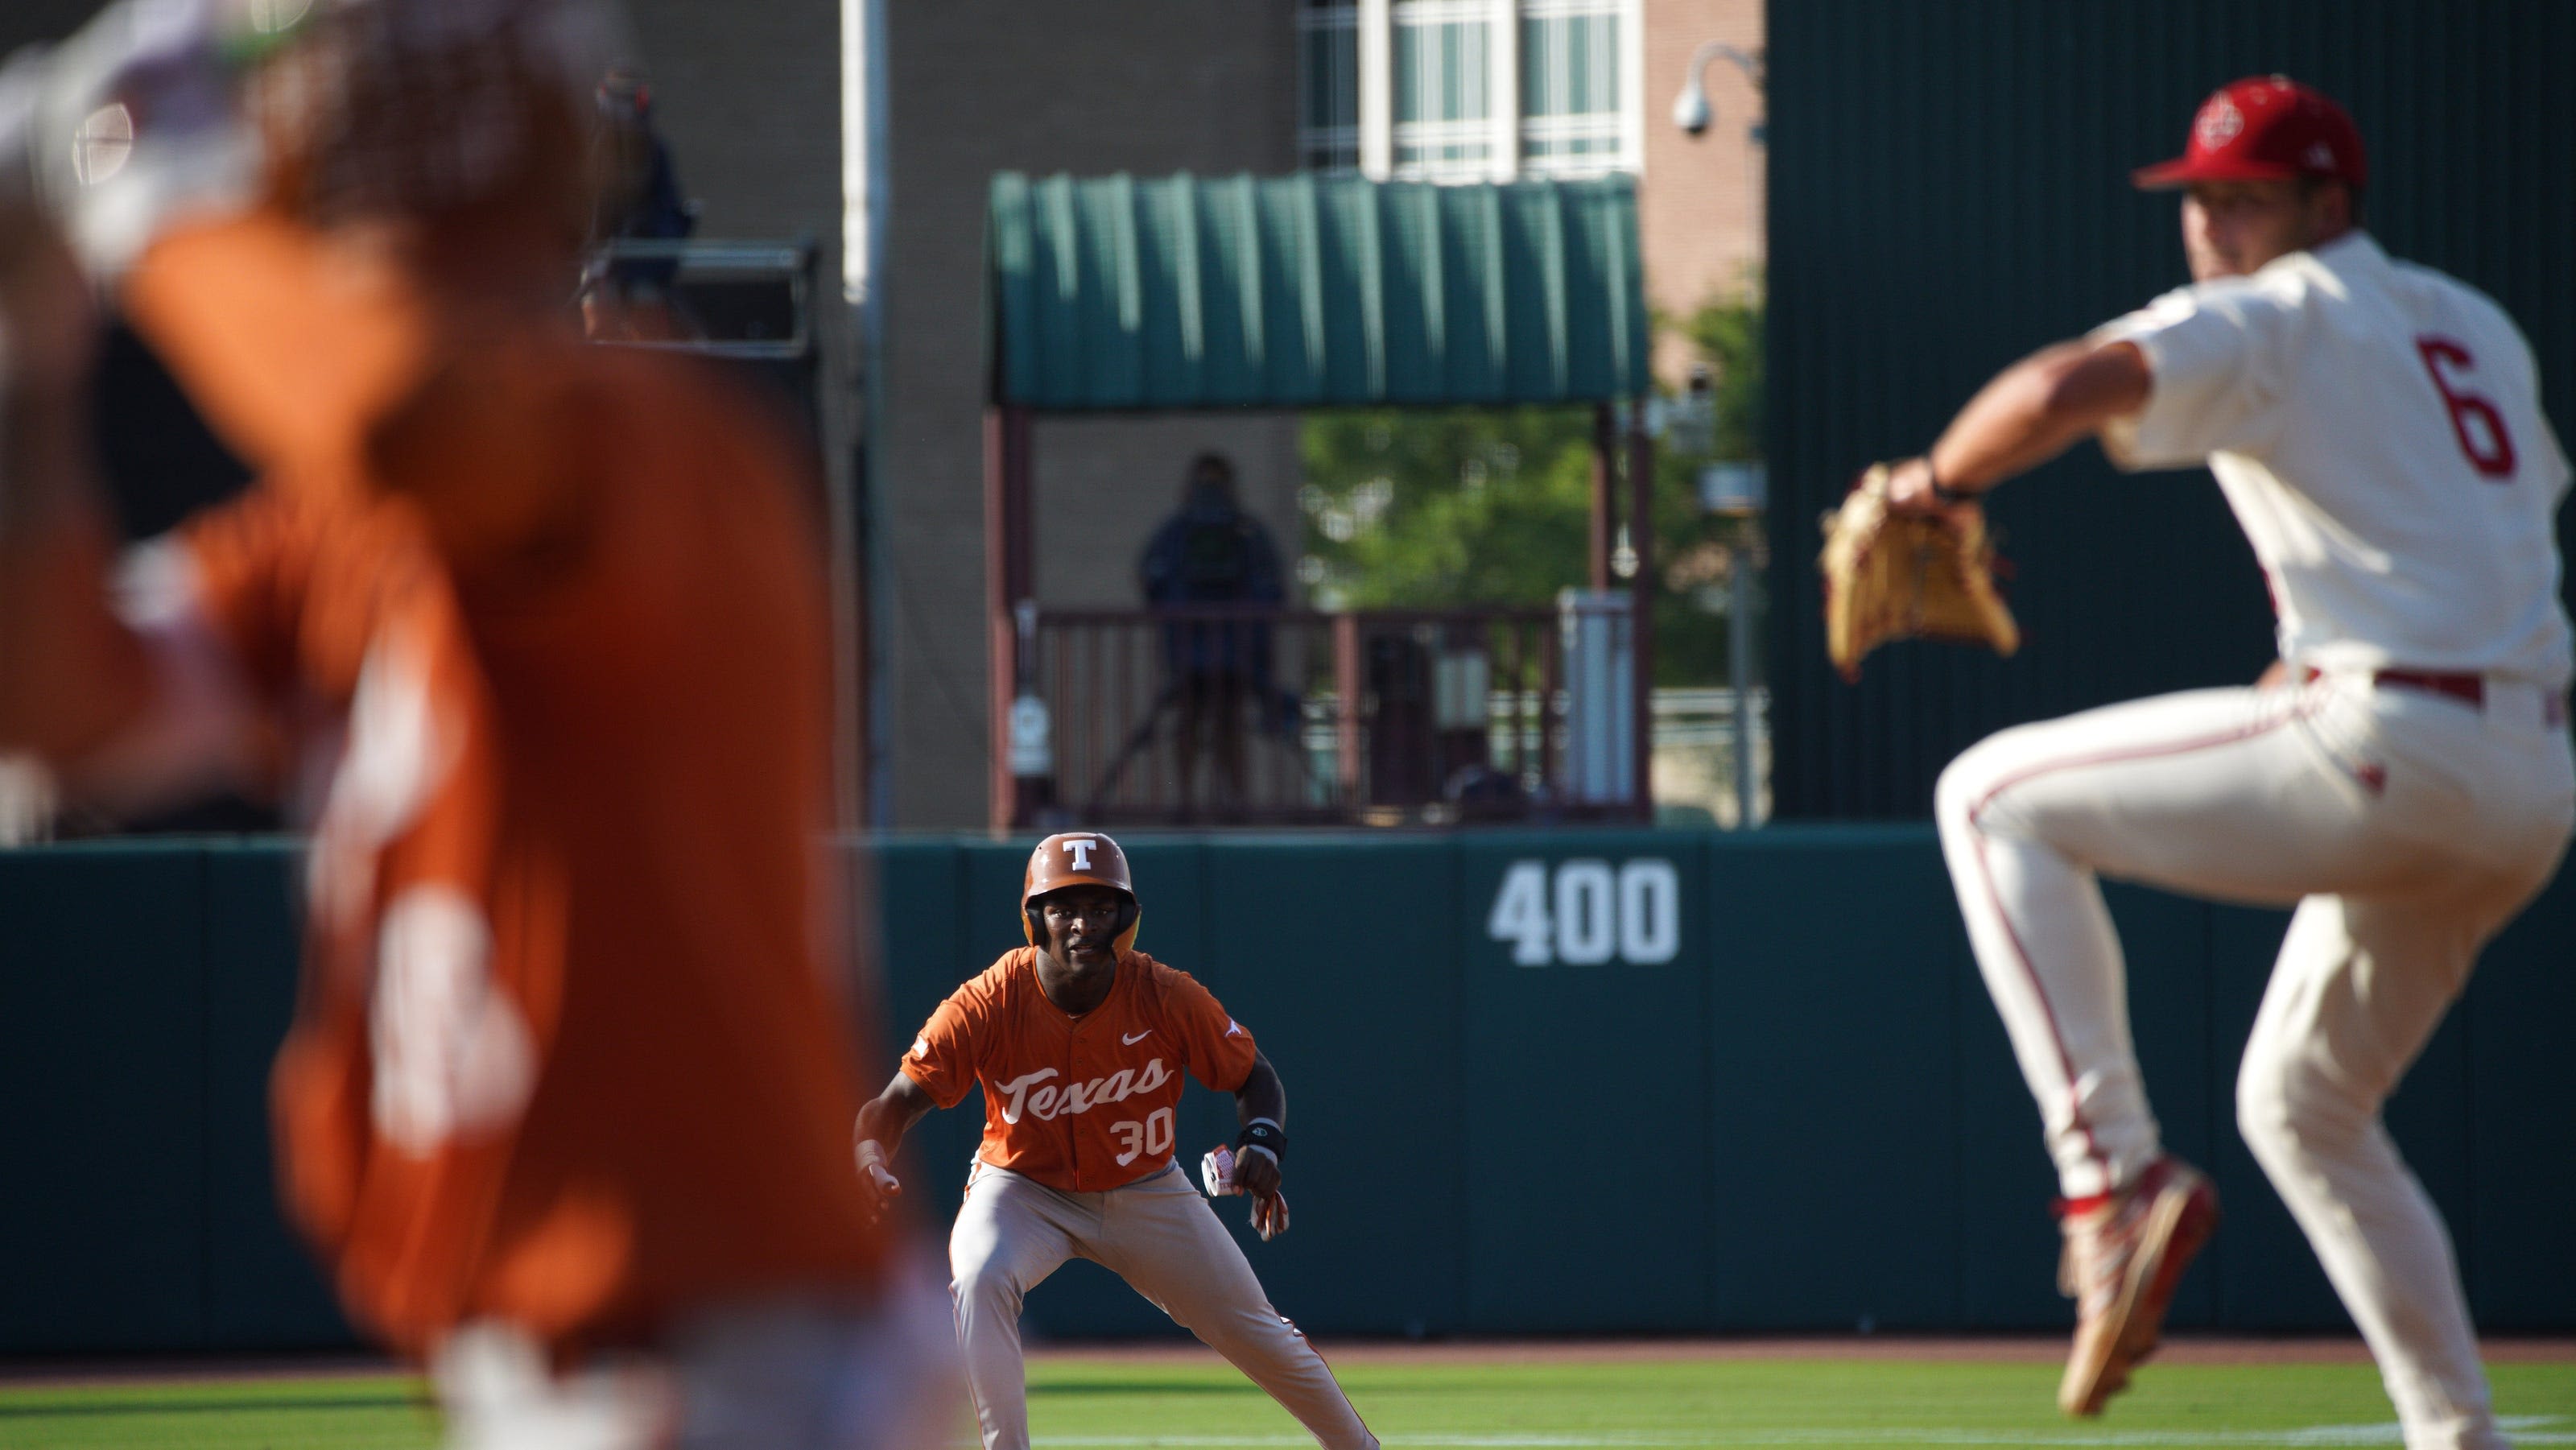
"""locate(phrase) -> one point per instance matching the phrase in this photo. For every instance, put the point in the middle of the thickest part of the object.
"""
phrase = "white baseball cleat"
(2123, 1257)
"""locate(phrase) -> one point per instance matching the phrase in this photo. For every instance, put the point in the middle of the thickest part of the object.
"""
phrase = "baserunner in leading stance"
(2402, 776)
(1081, 1043)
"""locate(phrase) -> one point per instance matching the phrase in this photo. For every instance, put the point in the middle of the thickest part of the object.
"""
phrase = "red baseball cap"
(2264, 128)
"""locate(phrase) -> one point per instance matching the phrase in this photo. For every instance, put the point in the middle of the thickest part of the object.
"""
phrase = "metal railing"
(1700, 735)
(1249, 715)
(748, 300)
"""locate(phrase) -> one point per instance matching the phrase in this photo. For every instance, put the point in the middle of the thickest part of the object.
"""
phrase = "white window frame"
(1474, 134)
(1504, 85)
(1334, 140)
(1625, 129)
(1504, 133)
(1377, 89)
(1632, 87)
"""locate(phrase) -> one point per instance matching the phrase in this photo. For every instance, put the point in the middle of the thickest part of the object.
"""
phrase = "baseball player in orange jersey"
(2402, 776)
(563, 1105)
(1080, 1044)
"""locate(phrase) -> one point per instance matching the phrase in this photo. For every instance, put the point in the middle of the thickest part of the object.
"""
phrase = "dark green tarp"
(1114, 293)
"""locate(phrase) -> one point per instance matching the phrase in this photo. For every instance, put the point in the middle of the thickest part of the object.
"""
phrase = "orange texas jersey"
(570, 1051)
(1082, 1105)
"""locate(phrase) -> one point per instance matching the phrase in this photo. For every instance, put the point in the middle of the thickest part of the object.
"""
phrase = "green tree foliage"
(1420, 509)
(1729, 340)
(1413, 509)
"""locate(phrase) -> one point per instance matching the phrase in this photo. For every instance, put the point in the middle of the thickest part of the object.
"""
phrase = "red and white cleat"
(2125, 1251)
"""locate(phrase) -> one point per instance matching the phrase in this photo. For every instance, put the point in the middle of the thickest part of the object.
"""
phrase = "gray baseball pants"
(1160, 1236)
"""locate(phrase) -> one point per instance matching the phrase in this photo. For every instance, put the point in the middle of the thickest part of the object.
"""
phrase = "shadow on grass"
(1146, 1387)
(382, 1400)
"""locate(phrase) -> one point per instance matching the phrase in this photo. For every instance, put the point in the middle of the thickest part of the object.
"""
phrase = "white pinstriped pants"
(2406, 826)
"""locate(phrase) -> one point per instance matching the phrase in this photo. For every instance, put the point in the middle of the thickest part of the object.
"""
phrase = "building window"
(1572, 105)
(1442, 72)
(1469, 90)
(1328, 54)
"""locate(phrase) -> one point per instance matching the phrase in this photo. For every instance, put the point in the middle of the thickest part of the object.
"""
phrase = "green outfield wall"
(1559, 1082)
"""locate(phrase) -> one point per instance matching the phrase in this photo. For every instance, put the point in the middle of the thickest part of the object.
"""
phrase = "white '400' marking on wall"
(1587, 914)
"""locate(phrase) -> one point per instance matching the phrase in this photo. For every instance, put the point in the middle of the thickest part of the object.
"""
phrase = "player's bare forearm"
(71, 674)
(2031, 412)
(890, 1114)
(881, 1126)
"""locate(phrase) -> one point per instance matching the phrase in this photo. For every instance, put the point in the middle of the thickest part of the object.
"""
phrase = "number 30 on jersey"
(1154, 1135)
(1583, 913)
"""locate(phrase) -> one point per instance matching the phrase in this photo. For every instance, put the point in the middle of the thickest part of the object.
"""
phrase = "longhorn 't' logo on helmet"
(1077, 858)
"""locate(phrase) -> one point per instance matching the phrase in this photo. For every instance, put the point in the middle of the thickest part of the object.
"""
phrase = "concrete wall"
(980, 86)
(749, 97)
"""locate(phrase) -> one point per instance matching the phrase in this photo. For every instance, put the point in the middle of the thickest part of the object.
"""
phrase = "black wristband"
(1942, 491)
(1266, 1135)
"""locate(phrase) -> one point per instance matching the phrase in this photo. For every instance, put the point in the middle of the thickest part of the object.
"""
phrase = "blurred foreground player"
(563, 1104)
(2403, 776)
(1081, 1044)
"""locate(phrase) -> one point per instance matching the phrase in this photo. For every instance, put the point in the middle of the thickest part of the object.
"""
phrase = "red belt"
(2468, 689)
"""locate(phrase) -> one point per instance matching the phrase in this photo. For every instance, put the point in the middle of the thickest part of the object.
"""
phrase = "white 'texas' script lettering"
(1079, 848)
(1032, 1094)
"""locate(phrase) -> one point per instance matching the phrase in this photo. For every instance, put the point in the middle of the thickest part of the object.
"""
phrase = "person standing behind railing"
(635, 299)
(1212, 552)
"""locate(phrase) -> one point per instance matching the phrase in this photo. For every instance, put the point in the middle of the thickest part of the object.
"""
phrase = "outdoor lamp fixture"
(1691, 110)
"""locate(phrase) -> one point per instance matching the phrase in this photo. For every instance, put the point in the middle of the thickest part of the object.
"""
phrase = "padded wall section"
(1563, 1082)
(102, 1065)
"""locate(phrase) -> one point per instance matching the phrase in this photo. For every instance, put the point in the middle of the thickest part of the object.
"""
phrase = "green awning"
(1114, 293)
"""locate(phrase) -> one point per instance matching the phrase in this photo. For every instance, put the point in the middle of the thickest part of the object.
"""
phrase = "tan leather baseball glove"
(1907, 576)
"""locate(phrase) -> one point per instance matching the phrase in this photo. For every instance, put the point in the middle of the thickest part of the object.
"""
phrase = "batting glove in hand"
(1269, 1211)
(876, 1182)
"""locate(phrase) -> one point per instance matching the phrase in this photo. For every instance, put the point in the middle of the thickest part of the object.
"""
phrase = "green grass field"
(1114, 1403)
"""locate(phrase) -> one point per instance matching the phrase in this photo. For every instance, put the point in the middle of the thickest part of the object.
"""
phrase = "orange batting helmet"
(1077, 858)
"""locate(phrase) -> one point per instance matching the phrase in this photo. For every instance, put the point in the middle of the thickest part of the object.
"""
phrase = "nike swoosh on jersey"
(1139, 1037)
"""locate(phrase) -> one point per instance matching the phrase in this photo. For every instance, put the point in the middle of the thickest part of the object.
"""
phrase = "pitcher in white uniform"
(2402, 776)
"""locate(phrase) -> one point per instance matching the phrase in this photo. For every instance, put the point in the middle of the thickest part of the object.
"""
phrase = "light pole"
(1742, 486)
